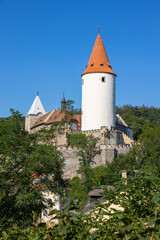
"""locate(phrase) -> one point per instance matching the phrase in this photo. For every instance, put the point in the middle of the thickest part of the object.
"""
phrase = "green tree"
(69, 108)
(24, 158)
(99, 177)
(78, 193)
(86, 160)
(148, 150)
(76, 139)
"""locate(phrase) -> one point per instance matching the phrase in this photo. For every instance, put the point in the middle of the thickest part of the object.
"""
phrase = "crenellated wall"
(108, 152)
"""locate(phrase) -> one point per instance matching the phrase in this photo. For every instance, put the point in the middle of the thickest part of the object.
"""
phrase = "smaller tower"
(63, 102)
(34, 113)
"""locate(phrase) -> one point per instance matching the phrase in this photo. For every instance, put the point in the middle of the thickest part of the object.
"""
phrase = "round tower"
(98, 90)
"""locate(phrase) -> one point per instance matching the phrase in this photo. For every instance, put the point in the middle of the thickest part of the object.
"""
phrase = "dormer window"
(103, 79)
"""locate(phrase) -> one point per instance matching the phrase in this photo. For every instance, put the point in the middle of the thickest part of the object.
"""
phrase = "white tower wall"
(98, 101)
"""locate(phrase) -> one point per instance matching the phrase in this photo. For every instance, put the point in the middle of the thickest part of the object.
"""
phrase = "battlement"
(101, 147)
(69, 148)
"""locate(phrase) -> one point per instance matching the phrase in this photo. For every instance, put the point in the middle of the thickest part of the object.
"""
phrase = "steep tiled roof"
(55, 116)
(40, 120)
(98, 61)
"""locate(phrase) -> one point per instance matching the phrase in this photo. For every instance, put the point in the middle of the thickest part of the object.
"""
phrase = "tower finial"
(37, 93)
(98, 29)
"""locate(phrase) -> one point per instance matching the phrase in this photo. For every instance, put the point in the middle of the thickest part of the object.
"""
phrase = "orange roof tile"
(78, 118)
(53, 117)
(98, 61)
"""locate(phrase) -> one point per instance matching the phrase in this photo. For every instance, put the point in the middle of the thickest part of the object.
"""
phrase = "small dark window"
(82, 81)
(101, 65)
(103, 79)
(91, 65)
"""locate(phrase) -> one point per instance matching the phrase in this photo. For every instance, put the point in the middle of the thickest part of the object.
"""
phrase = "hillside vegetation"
(138, 117)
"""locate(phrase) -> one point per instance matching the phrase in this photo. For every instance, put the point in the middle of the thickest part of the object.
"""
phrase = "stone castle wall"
(107, 154)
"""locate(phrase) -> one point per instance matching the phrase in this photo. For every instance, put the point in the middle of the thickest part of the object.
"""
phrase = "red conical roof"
(98, 61)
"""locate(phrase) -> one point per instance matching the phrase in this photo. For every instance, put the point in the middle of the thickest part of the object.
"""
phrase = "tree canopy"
(137, 117)
(28, 165)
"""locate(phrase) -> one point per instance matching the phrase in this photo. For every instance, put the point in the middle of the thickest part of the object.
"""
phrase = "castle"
(97, 117)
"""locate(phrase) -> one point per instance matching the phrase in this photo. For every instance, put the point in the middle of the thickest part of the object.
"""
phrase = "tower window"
(82, 81)
(101, 65)
(91, 65)
(103, 79)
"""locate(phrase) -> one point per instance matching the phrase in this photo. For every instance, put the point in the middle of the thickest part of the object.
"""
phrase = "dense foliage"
(86, 161)
(77, 139)
(69, 107)
(26, 168)
(131, 211)
(137, 117)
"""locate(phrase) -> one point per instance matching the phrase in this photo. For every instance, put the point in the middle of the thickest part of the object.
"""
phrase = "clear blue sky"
(45, 46)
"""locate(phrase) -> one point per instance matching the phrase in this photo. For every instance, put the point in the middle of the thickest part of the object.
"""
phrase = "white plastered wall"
(98, 101)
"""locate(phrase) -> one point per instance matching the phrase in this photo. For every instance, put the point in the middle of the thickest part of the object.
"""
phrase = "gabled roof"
(53, 117)
(37, 107)
(98, 61)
